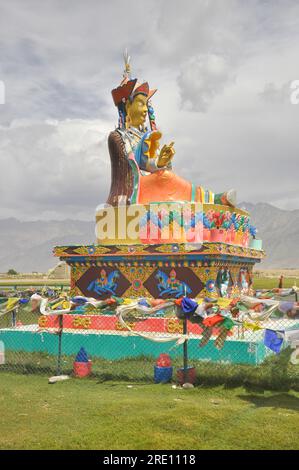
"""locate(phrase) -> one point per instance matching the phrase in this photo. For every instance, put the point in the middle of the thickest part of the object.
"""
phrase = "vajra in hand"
(166, 154)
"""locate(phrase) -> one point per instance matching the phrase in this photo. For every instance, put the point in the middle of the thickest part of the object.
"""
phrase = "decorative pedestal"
(158, 271)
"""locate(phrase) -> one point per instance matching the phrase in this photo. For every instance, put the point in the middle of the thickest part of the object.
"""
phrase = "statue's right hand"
(166, 155)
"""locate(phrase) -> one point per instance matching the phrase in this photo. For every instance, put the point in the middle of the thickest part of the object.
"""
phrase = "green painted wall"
(113, 347)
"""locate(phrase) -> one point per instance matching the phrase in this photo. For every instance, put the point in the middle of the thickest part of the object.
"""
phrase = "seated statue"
(140, 172)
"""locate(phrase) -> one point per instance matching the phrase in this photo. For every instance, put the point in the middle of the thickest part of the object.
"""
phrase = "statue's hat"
(143, 89)
(123, 91)
(128, 89)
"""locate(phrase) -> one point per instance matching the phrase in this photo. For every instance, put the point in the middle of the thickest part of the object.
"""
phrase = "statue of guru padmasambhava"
(140, 173)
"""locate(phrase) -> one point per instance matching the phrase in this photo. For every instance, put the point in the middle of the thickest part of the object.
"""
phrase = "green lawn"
(86, 414)
(271, 282)
(228, 409)
(275, 373)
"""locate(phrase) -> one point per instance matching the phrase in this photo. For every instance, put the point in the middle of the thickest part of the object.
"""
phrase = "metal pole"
(59, 344)
(14, 318)
(185, 331)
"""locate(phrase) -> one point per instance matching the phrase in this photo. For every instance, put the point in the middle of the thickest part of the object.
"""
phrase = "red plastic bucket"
(190, 376)
(82, 369)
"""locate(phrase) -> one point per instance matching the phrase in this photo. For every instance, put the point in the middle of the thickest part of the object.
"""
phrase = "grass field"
(259, 283)
(85, 414)
(119, 407)
(270, 283)
(276, 373)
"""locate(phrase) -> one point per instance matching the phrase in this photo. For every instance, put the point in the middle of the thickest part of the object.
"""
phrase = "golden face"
(137, 110)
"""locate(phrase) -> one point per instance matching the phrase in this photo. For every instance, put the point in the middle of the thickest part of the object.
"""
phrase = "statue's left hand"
(166, 154)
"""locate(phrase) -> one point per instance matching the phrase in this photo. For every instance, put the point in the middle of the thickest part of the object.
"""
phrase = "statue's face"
(137, 110)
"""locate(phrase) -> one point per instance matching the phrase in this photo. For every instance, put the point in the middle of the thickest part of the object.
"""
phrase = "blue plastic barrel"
(162, 374)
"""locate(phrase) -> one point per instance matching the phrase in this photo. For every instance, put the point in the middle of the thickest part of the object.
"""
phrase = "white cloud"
(275, 94)
(54, 167)
(203, 78)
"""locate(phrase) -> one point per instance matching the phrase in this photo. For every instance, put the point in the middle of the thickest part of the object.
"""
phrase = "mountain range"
(27, 246)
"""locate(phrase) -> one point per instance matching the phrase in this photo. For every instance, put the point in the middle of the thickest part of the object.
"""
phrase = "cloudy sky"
(223, 70)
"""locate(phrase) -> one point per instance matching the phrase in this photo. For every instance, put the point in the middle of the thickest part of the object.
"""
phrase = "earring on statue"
(128, 121)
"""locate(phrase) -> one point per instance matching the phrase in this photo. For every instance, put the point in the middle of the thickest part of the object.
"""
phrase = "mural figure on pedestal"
(244, 280)
(170, 285)
(224, 281)
(105, 284)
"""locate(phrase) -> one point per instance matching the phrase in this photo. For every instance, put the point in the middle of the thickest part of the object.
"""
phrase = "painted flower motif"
(136, 284)
(210, 285)
(210, 214)
(206, 222)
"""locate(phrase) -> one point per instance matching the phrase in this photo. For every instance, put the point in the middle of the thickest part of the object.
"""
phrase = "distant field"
(33, 282)
(270, 283)
(263, 282)
(276, 273)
